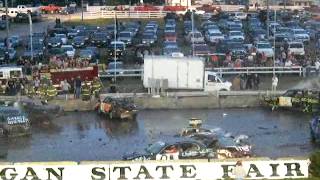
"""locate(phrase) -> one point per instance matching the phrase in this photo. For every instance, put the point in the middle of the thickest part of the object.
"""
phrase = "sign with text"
(192, 169)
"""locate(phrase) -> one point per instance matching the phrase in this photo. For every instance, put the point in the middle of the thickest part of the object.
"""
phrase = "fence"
(299, 70)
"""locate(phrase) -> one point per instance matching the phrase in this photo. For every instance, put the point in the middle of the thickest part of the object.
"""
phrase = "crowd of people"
(68, 62)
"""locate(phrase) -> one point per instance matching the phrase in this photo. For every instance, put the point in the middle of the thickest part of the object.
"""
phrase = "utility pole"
(284, 4)
(268, 9)
(115, 46)
(274, 42)
(81, 10)
(7, 24)
(31, 44)
(192, 22)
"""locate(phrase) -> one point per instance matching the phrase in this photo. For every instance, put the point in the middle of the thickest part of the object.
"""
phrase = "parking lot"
(227, 39)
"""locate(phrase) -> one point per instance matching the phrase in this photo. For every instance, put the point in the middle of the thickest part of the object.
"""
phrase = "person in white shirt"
(288, 63)
(274, 83)
(317, 65)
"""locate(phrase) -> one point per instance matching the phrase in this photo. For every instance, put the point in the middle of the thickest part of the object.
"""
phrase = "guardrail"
(121, 73)
(221, 71)
(259, 70)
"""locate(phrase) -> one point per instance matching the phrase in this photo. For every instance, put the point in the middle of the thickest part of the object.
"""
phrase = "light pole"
(268, 19)
(192, 21)
(7, 24)
(81, 10)
(115, 47)
(30, 26)
(274, 42)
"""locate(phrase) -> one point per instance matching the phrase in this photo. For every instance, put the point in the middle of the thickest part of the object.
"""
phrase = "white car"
(266, 48)
(195, 37)
(297, 48)
(214, 36)
(236, 35)
(300, 35)
(69, 50)
(63, 38)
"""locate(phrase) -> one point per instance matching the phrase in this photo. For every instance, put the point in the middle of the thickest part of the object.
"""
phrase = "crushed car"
(224, 145)
(117, 108)
(180, 148)
(305, 100)
(315, 128)
(13, 121)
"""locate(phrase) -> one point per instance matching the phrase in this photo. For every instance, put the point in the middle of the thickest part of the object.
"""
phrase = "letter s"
(98, 175)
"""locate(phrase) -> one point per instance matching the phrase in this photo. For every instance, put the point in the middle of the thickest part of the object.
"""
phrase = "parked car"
(169, 50)
(149, 38)
(195, 37)
(213, 36)
(15, 41)
(301, 35)
(63, 38)
(58, 52)
(115, 68)
(297, 48)
(236, 35)
(72, 33)
(201, 49)
(100, 39)
(79, 42)
(86, 54)
(3, 24)
(69, 50)
(126, 37)
(170, 29)
(266, 48)
(170, 36)
(117, 47)
(54, 42)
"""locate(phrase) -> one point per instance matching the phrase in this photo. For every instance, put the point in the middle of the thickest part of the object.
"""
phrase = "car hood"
(134, 155)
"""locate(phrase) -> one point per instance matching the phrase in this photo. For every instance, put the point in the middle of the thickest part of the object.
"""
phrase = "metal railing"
(125, 14)
(299, 70)
(121, 73)
(258, 70)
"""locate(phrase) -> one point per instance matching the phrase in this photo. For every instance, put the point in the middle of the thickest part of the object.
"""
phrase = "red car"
(170, 36)
(51, 8)
(174, 8)
(146, 8)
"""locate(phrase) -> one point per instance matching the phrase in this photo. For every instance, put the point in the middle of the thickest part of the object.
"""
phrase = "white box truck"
(181, 73)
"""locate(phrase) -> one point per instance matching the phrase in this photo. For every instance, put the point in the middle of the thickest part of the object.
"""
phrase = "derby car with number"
(225, 145)
(315, 128)
(13, 121)
(296, 99)
(117, 108)
(173, 150)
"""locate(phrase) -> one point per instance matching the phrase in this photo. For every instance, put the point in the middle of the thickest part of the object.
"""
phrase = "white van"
(10, 72)
(238, 15)
(297, 48)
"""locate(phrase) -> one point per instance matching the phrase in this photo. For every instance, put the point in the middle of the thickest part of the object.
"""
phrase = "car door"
(190, 150)
(170, 152)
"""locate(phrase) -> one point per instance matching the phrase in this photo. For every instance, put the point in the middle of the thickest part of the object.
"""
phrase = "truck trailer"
(181, 73)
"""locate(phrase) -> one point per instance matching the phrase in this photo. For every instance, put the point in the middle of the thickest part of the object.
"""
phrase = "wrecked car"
(315, 128)
(173, 150)
(13, 121)
(296, 99)
(225, 145)
(117, 108)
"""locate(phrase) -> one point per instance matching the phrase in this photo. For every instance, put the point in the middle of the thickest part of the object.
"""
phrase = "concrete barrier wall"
(188, 100)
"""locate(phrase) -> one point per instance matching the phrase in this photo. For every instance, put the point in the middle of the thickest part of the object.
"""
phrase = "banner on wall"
(120, 170)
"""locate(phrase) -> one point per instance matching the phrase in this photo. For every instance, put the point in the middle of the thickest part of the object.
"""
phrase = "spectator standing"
(36, 84)
(317, 65)
(256, 81)
(239, 171)
(77, 85)
(65, 87)
(275, 81)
